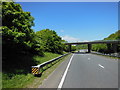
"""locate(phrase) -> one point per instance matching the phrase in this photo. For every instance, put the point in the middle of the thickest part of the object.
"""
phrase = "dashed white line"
(88, 58)
(64, 75)
(101, 66)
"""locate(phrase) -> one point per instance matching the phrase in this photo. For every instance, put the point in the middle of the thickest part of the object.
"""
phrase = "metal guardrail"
(36, 69)
(112, 54)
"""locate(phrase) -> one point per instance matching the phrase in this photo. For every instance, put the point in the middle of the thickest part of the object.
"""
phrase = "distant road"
(83, 70)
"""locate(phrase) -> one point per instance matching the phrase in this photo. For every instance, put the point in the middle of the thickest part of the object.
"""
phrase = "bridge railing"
(36, 69)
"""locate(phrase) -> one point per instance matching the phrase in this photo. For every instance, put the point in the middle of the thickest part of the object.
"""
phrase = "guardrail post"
(35, 70)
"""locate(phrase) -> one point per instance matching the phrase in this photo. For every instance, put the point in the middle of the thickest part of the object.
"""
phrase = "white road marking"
(88, 58)
(101, 66)
(64, 75)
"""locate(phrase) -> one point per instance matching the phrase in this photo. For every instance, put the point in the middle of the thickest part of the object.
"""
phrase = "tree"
(17, 35)
(51, 42)
(114, 36)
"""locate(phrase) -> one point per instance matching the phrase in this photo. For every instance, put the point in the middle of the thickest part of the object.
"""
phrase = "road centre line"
(101, 66)
(65, 73)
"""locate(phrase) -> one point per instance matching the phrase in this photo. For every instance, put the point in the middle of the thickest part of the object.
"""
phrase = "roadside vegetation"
(108, 48)
(21, 78)
(22, 47)
(82, 46)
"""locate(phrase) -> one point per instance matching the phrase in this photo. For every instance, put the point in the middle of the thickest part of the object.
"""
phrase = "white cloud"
(61, 30)
(85, 41)
(73, 39)
(70, 39)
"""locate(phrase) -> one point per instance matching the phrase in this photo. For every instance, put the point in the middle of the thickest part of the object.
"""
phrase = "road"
(84, 70)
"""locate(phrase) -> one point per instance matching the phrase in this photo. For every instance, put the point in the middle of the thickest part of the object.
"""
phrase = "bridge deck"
(97, 42)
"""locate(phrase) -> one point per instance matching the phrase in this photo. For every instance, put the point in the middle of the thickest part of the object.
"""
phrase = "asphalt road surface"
(84, 70)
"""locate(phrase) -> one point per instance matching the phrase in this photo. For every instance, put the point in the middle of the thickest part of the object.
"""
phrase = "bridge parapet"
(113, 42)
(96, 42)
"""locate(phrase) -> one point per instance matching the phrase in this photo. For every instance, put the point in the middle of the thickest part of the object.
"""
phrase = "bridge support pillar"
(114, 46)
(89, 48)
(70, 48)
(109, 46)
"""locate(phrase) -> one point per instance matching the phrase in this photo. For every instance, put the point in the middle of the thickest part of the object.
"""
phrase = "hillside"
(103, 48)
(114, 36)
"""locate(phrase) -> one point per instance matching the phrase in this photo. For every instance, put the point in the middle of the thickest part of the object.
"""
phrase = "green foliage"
(9, 79)
(73, 48)
(51, 42)
(16, 23)
(83, 46)
(21, 80)
(107, 48)
(99, 47)
(17, 35)
(65, 47)
(19, 42)
(22, 47)
(48, 56)
(114, 36)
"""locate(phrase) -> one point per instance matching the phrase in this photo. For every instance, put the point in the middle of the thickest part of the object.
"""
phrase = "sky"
(67, 0)
(75, 21)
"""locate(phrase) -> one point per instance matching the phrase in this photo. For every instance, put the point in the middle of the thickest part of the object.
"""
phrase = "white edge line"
(101, 66)
(64, 75)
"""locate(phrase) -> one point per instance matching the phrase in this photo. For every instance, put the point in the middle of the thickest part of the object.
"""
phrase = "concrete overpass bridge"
(114, 44)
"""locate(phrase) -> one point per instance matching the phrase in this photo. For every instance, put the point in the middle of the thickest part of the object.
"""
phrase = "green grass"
(48, 56)
(23, 80)
(17, 81)
(38, 81)
(0, 80)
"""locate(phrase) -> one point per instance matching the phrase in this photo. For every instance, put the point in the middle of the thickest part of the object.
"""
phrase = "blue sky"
(75, 21)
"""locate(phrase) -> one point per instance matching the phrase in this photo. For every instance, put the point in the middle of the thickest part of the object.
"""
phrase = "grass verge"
(38, 80)
(48, 56)
(0, 80)
(21, 80)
